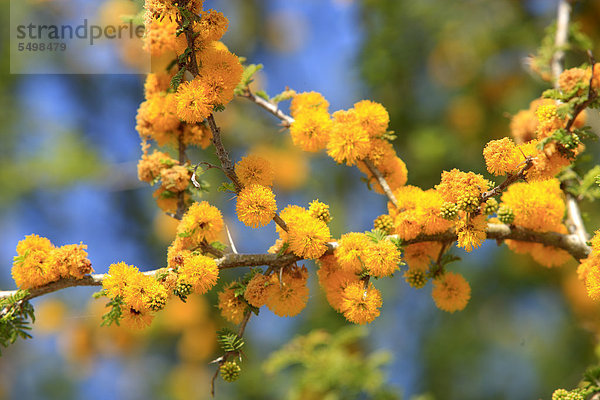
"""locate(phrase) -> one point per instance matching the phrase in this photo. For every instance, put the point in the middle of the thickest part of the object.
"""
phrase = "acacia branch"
(510, 179)
(499, 232)
(227, 165)
(574, 220)
(382, 182)
(571, 243)
(286, 120)
(560, 40)
(221, 360)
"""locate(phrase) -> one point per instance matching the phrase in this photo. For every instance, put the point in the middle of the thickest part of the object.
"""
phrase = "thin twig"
(560, 40)
(286, 120)
(228, 167)
(574, 220)
(382, 182)
(223, 154)
(510, 179)
(181, 208)
(223, 359)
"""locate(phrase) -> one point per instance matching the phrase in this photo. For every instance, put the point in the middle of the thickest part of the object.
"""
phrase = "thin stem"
(228, 167)
(560, 40)
(223, 359)
(574, 219)
(382, 182)
(286, 120)
(510, 179)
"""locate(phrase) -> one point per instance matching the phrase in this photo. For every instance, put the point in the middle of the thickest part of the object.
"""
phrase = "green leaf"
(219, 246)
(177, 78)
(448, 258)
(285, 95)
(376, 235)
(247, 78)
(229, 340)
(284, 247)
(16, 316)
(262, 94)
(100, 293)
(226, 187)
(115, 314)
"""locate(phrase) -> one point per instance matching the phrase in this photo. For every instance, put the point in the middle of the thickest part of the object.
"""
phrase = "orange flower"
(361, 305)
(451, 292)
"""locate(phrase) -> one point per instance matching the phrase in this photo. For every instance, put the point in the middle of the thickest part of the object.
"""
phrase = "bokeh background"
(450, 75)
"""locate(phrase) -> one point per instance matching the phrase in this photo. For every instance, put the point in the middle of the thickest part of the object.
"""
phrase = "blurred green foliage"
(331, 366)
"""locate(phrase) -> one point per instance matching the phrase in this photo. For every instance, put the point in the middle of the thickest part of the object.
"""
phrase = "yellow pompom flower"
(307, 102)
(258, 290)
(232, 307)
(119, 275)
(546, 112)
(349, 141)
(175, 178)
(221, 67)
(419, 255)
(320, 211)
(212, 26)
(290, 214)
(256, 205)
(150, 166)
(451, 292)
(501, 156)
(289, 296)
(201, 222)
(455, 184)
(193, 101)
(38, 262)
(33, 242)
(143, 293)
(382, 259)
(549, 256)
(373, 117)
(310, 129)
(70, 261)
(160, 36)
(32, 270)
(419, 212)
(198, 135)
(308, 236)
(255, 170)
(199, 271)
(351, 251)
(573, 78)
(471, 232)
(361, 305)
(334, 280)
(537, 205)
(136, 319)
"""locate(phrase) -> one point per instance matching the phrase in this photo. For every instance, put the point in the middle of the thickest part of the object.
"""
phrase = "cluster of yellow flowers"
(39, 262)
(589, 270)
(349, 136)
(174, 178)
(182, 95)
(189, 271)
(176, 102)
(285, 293)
